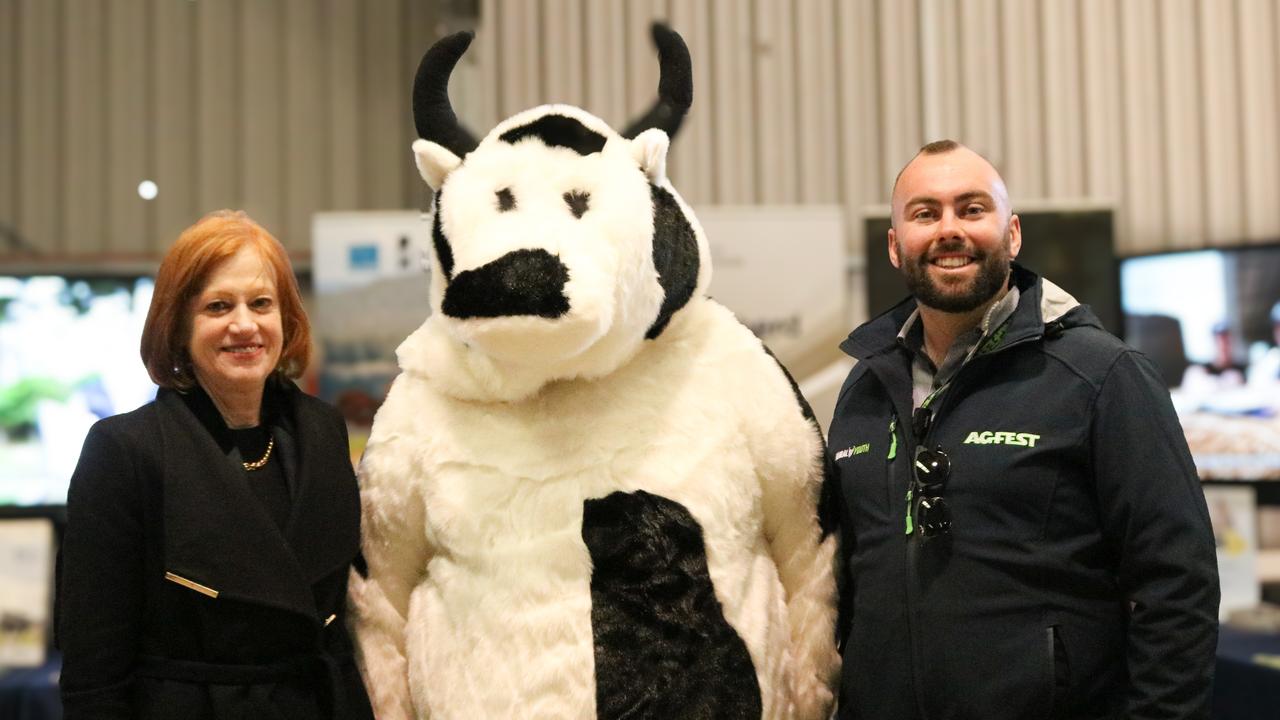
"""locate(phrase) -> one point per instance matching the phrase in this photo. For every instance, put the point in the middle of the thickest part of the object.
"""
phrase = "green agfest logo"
(1001, 437)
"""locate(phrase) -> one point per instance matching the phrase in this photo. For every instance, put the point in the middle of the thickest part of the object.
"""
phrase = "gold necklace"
(257, 464)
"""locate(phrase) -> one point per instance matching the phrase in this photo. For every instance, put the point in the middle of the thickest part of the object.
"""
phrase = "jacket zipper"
(913, 545)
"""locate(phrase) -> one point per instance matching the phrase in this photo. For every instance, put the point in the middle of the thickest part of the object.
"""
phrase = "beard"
(993, 270)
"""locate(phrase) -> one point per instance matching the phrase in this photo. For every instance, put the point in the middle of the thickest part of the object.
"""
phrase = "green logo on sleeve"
(1001, 437)
(855, 450)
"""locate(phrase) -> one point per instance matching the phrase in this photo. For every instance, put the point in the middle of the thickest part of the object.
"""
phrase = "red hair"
(183, 273)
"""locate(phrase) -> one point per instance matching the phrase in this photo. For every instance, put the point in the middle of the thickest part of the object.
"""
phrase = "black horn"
(432, 113)
(675, 85)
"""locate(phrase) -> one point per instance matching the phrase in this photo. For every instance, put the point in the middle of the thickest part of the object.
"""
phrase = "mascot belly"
(591, 492)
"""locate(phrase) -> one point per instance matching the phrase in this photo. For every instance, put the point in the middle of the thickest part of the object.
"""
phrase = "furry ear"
(649, 148)
(435, 162)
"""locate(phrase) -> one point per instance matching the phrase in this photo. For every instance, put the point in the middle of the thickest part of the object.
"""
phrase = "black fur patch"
(675, 256)
(579, 202)
(506, 201)
(675, 85)
(432, 113)
(522, 282)
(558, 131)
(444, 252)
(663, 648)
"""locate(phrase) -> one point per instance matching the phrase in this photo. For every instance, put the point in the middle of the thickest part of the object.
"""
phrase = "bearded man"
(1024, 534)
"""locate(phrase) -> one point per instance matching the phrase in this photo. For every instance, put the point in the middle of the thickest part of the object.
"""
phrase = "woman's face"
(236, 334)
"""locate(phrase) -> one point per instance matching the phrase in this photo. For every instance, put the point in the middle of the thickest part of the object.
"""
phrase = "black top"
(246, 445)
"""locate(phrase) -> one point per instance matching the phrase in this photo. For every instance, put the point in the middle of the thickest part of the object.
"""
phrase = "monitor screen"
(1071, 245)
(68, 357)
(1210, 321)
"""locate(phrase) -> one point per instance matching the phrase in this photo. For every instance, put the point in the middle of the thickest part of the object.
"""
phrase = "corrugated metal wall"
(1169, 108)
(283, 108)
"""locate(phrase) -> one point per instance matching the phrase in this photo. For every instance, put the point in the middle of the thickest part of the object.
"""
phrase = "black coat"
(1079, 578)
(179, 597)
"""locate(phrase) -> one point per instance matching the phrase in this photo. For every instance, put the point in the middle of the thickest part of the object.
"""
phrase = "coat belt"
(323, 667)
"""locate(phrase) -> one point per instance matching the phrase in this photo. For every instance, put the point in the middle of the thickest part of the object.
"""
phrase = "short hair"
(937, 147)
(183, 273)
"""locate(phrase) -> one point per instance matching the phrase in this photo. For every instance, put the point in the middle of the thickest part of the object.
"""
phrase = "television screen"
(1210, 320)
(68, 356)
(1071, 245)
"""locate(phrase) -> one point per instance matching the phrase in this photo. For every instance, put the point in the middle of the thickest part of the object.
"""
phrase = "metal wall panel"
(943, 87)
(606, 75)
(732, 102)
(1220, 105)
(1145, 172)
(218, 108)
(9, 64)
(1168, 108)
(1259, 23)
(899, 72)
(1179, 63)
(174, 125)
(776, 77)
(981, 76)
(1024, 164)
(84, 98)
(1063, 157)
(128, 225)
(864, 179)
(342, 83)
(38, 190)
(565, 66)
(817, 100)
(385, 84)
(1103, 111)
(303, 138)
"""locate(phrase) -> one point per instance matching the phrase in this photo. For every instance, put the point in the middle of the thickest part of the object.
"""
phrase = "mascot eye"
(577, 202)
(506, 201)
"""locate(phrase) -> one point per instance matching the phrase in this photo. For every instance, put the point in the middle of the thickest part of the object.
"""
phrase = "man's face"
(953, 235)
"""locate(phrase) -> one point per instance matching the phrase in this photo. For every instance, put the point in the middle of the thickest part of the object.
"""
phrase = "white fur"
(478, 603)
(650, 151)
(434, 162)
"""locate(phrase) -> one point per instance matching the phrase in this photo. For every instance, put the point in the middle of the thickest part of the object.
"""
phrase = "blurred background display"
(1210, 320)
(68, 357)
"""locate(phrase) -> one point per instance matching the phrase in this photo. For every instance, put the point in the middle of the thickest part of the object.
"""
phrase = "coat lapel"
(324, 525)
(216, 533)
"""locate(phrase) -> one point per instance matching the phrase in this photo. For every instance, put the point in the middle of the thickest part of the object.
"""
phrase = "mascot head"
(560, 246)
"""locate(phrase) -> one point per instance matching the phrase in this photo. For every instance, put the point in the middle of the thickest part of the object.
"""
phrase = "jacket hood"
(1043, 307)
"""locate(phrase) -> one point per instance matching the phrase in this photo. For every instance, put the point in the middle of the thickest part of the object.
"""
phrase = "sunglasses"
(929, 473)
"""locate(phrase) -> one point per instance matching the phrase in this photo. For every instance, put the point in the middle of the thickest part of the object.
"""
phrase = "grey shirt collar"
(927, 380)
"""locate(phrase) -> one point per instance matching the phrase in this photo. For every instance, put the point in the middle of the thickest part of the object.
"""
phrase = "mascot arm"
(789, 454)
(396, 552)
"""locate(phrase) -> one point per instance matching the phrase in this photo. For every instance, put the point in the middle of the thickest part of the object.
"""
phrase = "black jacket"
(159, 519)
(1079, 579)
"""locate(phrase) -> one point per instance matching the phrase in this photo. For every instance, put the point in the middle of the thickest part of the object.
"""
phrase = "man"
(1024, 532)
(1264, 362)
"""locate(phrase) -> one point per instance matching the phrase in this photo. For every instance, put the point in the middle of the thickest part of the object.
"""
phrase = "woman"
(209, 533)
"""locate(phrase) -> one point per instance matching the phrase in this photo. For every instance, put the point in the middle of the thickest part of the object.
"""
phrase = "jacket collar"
(216, 532)
(1041, 304)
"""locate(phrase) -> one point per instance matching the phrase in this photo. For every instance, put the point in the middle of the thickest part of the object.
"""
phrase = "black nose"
(523, 282)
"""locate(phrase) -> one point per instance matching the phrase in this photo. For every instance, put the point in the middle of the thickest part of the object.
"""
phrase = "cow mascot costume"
(591, 492)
